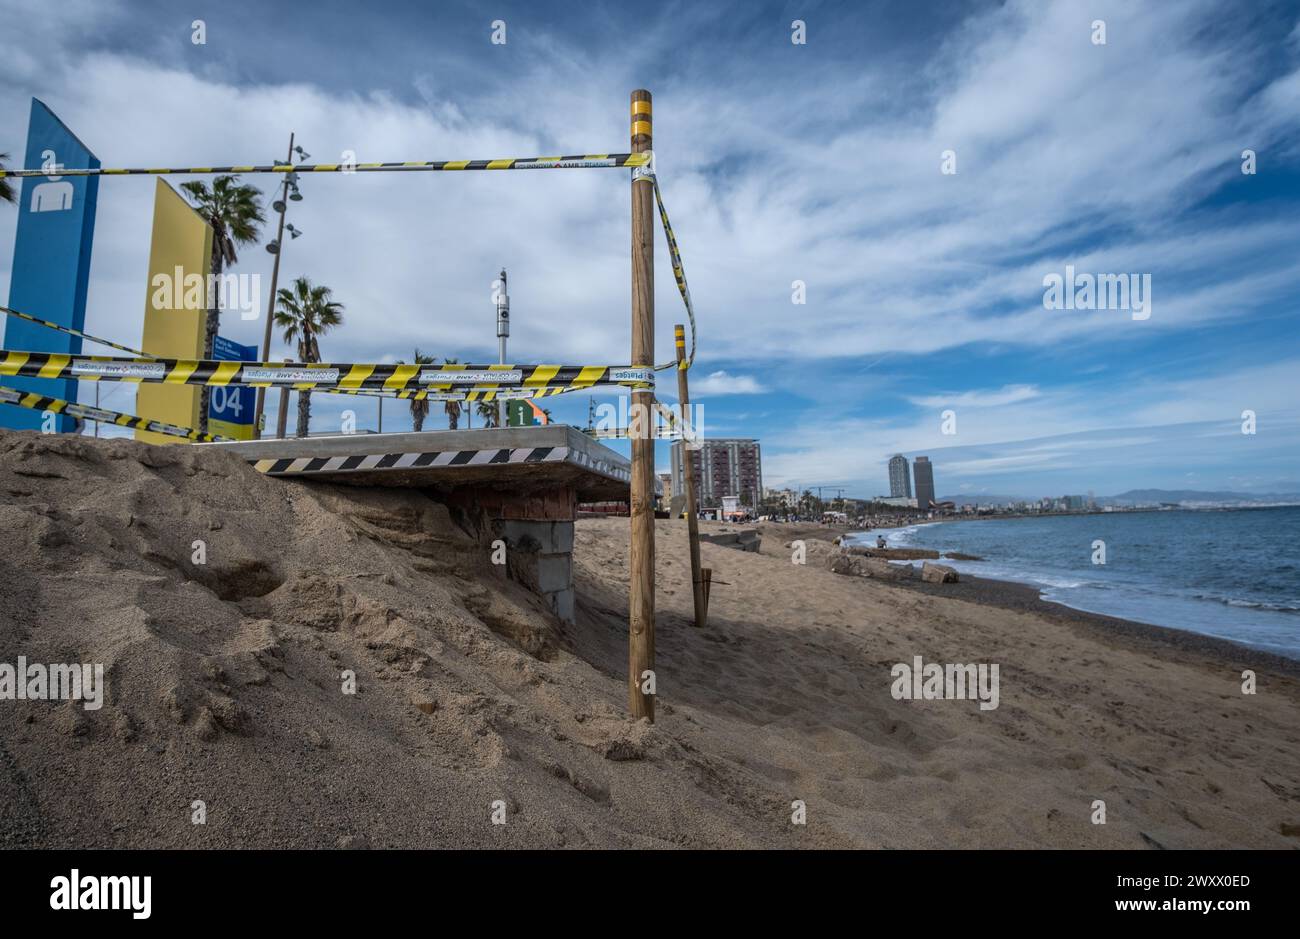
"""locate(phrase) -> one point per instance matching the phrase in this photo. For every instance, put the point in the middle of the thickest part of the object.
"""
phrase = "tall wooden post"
(688, 474)
(641, 593)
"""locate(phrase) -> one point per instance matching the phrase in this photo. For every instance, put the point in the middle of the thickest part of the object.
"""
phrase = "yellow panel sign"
(175, 308)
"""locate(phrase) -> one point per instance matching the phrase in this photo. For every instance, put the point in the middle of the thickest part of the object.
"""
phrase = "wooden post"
(641, 592)
(688, 474)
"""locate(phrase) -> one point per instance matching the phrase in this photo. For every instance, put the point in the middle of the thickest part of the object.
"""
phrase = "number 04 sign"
(230, 407)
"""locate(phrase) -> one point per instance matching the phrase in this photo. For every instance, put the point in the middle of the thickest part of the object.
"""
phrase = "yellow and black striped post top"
(642, 120)
(307, 376)
(576, 161)
(35, 402)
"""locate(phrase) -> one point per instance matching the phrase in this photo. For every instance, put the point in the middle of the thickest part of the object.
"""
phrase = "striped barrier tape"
(642, 165)
(679, 272)
(624, 433)
(307, 376)
(485, 395)
(71, 332)
(505, 394)
(579, 161)
(35, 402)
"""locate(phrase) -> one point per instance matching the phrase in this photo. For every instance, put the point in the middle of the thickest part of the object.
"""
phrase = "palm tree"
(234, 214)
(453, 408)
(305, 313)
(488, 411)
(7, 193)
(420, 406)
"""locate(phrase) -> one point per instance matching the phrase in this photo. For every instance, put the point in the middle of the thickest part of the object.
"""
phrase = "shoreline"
(1156, 722)
(1026, 598)
(1022, 597)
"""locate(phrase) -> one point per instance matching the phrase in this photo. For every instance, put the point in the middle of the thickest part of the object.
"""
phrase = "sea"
(1233, 574)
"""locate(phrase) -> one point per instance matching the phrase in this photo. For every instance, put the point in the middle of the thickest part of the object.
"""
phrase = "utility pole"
(641, 593)
(270, 305)
(503, 333)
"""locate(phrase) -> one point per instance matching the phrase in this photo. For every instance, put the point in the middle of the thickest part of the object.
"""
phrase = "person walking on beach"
(880, 541)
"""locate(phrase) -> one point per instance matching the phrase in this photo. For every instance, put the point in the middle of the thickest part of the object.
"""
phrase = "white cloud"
(1008, 394)
(722, 383)
(1135, 421)
(896, 256)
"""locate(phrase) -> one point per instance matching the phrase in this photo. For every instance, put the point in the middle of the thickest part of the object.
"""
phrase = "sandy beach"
(223, 684)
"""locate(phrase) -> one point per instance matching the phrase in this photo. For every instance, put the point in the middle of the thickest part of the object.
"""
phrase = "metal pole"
(503, 332)
(641, 594)
(501, 360)
(270, 304)
(688, 473)
(281, 421)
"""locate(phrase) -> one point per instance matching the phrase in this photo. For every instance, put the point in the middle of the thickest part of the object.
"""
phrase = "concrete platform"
(514, 485)
(521, 460)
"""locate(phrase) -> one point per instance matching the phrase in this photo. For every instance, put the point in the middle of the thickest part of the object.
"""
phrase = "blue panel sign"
(230, 407)
(51, 268)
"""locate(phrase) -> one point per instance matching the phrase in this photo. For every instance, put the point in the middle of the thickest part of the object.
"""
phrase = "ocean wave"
(1248, 604)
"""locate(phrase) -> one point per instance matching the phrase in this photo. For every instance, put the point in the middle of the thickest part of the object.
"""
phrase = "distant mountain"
(1140, 497)
(983, 498)
(1198, 495)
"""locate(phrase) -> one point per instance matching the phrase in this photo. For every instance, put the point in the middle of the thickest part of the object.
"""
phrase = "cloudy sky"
(821, 163)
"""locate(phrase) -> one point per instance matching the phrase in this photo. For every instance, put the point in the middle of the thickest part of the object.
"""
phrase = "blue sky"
(818, 162)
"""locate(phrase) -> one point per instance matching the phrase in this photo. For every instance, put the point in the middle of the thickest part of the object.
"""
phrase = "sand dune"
(224, 684)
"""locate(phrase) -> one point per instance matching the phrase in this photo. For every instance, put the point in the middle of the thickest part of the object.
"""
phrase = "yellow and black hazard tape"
(631, 433)
(642, 165)
(35, 402)
(308, 376)
(679, 272)
(577, 161)
(71, 332)
(504, 394)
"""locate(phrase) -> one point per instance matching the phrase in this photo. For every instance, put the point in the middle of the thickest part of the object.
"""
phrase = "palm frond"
(305, 311)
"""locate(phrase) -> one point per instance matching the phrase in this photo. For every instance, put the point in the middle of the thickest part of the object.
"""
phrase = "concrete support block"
(539, 555)
(554, 572)
(562, 604)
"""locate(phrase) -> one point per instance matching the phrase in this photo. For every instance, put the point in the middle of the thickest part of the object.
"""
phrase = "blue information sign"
(51, 268)
(230, 407)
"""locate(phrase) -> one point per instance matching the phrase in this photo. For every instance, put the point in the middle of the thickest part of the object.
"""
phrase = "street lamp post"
(503, 333)
(276, 248)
